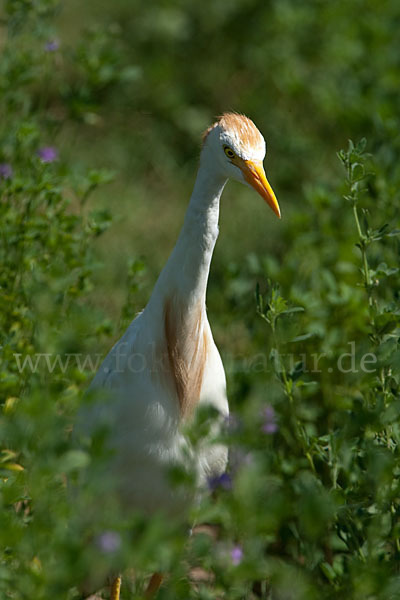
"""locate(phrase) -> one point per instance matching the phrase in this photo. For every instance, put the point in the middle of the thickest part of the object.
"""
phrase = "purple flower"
(6, 171)
(236, 555)
(109, 542)
(52, 46)
(269, 425)
(270, 428)
(47, 154)
(223, 481)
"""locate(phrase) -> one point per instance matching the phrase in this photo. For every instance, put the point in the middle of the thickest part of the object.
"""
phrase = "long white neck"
(186, 273)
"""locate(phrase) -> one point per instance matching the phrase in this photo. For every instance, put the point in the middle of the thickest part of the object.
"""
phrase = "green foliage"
(310, 505)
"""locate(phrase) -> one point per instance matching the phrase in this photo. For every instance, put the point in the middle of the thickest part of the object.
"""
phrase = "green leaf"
(297, 371)
(304, 336)
(328, 571)
(393, 233)
(294, 309)
(383, 269)
(361, 145)
(386, 322)
(357, 171)
(276, 362)
(74, 460)
(100, 176)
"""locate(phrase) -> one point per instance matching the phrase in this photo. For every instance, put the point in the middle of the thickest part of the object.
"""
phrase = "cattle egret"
(166, 364)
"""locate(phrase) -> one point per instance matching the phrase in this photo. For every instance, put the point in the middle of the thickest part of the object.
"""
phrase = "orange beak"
(254, 174)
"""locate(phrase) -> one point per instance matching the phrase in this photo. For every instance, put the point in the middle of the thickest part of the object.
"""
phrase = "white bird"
(166, 364)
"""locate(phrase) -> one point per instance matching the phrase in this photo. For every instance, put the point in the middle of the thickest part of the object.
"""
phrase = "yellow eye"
(229, 152)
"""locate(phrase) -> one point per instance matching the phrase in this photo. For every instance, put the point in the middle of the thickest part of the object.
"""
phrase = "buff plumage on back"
(240, 128)
(186, 345)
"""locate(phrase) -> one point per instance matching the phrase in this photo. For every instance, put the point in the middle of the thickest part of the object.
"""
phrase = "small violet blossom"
(52, 46)
(223, 481)
(6, 171)
(236, 555)
(269, 425)
(109, 542)
(47, 154)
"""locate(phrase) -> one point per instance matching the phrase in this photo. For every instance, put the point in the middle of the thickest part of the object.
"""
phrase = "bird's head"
(237, 148)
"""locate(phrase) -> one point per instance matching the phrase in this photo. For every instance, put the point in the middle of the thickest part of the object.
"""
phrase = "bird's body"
(164, 365)
(167, 363)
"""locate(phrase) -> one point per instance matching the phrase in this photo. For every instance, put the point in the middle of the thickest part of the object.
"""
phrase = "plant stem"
(360, 233)
(367, 278)
(286, 384)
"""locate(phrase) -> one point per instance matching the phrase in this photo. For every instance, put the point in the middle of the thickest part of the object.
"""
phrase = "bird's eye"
(229, 152)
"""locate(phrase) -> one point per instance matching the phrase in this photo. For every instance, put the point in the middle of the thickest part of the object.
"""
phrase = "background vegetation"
(101, 109)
